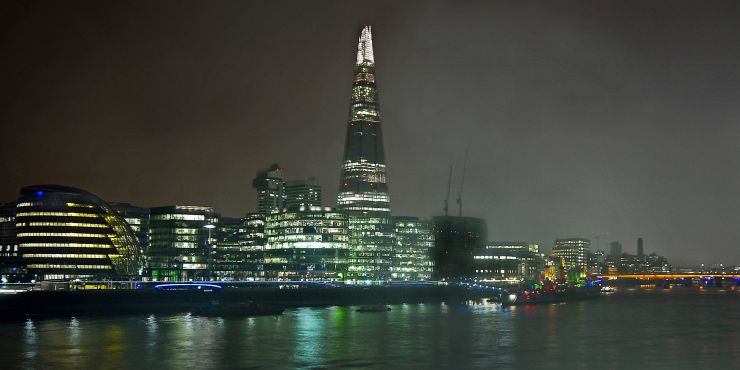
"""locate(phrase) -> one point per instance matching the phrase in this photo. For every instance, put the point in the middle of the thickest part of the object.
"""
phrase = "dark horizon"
(580, 118)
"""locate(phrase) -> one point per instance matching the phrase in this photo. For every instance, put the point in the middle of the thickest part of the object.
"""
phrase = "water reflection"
(660, 330)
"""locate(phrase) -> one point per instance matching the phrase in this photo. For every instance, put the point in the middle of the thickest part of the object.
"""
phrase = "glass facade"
(65, 233)
(413, 254)
(137, 218)
(11, 269)
(363, 188)
(507, 262)
(306, 245)
(180, 246)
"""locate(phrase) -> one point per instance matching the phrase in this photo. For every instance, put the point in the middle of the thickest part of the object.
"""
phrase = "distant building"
(507, 262)
(455, 240)
(306, 245)
(138, 219)
(615, 249)
(67, 233)
(573, 251)
(179, 247)
(413, 253)
(640, 251)
(11, 268)
(302, 193)
(270, 188)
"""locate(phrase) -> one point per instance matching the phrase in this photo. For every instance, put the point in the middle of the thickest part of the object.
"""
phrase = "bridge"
(669, 276)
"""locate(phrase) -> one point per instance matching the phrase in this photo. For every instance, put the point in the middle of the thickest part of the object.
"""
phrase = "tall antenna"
(462, 182)
(447, 198)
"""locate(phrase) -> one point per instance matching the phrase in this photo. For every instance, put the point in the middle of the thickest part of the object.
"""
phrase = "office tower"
(413, 253)
(573, 251)
(455, 240)
(615, 249)
(67, 233)
(138, 219)
(640, 251)
(363, 190)
(302, 193)
(306, 245)
(181, 242)
(270, 188)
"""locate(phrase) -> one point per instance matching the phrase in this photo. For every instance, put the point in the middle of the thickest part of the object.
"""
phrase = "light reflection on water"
(632, 330)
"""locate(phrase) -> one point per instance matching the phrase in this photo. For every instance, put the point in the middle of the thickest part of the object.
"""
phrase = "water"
(628, 330)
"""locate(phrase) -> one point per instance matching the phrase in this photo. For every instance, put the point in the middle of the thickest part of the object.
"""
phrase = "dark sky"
(581, 117)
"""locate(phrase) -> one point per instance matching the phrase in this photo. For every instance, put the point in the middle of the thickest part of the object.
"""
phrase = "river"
(658, 329)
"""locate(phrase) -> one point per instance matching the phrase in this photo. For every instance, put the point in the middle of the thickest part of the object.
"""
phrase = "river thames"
(628, 330)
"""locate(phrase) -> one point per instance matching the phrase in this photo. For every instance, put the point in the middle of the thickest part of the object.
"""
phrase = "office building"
(181, 242)
(413, 253)
(574, 252)
(363, 188)
(507, 263)
(455, 240)
(270, 188)
(67, 233)
(615, 249)
(306, 245)
(640, 250)
(11, 268)
(302, 193)
(138, 219)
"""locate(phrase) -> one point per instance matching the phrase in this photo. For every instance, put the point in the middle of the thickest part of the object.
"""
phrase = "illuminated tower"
(363, 191)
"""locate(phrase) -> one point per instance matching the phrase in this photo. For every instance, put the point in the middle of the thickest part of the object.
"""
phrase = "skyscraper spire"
(365, 47)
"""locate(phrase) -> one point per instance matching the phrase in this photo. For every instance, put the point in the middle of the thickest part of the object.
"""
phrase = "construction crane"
(462, 183)
(447, 198)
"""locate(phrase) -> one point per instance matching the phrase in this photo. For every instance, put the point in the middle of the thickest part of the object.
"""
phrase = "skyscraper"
(363, 191)
(270, 188)
(640, 251)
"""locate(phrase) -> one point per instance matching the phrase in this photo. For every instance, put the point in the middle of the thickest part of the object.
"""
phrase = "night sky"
(581, 118)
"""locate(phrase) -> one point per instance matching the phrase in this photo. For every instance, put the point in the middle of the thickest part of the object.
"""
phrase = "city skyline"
(569, 175)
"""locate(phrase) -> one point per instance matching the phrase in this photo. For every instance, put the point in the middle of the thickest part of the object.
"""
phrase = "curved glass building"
(67, 233)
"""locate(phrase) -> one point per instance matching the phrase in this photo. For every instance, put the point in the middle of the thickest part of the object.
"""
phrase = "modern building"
(455, 241)
(137, 218)
(413, 254)
(270, 188)
(234, 258)
(11, 268)
(363, 187)
(306, 245)
(67, 233)
(640, 250)
(507, 262)
(615, 249)
(302, 193)
(573, 251)
(181, 242)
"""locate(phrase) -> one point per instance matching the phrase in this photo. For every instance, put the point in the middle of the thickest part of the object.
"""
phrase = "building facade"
(181, 243)
(507, 262)
(138, 219)
(574, 252)
(363, 188)
(270, 188)
(413, 254)
(302, 194)
(306, 245)
(11, 268)
(66, 233)
(455, 241)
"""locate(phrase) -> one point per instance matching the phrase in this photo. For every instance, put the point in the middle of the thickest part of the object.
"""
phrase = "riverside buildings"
(68, 233)
(573, 251)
